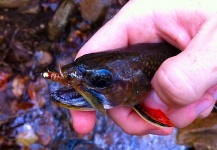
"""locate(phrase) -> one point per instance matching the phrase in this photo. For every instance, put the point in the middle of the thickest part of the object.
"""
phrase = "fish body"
(119, 77)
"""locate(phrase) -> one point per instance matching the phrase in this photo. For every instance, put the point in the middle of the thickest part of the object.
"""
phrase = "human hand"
(184, 86)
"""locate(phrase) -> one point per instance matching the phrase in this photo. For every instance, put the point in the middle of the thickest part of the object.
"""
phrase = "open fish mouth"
(69, 98)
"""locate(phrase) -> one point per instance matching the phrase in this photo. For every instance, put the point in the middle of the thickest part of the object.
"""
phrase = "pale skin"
(184, 87)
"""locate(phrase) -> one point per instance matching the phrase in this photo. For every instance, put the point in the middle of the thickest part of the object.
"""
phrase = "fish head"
(106, 82)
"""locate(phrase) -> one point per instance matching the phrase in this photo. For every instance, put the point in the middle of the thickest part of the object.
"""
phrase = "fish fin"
(154, 116)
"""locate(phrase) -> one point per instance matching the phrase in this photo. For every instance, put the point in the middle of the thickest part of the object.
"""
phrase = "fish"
(112, 78)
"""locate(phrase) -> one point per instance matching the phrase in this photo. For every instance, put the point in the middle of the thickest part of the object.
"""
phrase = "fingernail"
(205, 104)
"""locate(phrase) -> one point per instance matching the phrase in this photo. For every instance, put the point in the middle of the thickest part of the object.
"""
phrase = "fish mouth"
(85, 100)
(69, 98)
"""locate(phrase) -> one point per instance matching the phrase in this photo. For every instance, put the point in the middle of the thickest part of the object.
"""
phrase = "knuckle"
(175, 86)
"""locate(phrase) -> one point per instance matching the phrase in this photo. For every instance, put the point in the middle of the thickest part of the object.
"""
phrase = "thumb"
(183, 82)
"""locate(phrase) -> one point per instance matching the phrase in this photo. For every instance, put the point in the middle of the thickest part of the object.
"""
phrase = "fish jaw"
(69, 98)
(75, 74)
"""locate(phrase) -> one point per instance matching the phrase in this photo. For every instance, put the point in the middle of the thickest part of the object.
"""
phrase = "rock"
(44, 58)
(27, 137)
(94, 10)
(18, 85)
(77, 144)
(45, 130)
(37, 92)
(13, 3)
(201, 134)
(60, 19)
(33, 7)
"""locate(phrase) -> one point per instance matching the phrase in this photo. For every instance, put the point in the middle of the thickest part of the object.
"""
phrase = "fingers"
(183, 79)
(132, 123)
(133, 24)
(182, 82)
(83, 121)
(125, 28)
(186, 115)
(212, 91)
(185, 82)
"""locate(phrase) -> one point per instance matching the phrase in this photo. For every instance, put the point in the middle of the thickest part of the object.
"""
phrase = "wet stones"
(201, 134)
(60, 19)
(13, 3)
(94, 10)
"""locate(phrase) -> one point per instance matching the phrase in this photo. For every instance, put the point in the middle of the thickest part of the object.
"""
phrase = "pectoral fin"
(154, 116)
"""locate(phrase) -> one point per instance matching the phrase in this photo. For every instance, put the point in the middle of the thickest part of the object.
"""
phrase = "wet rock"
(37, 92)
(44, 58)
(119, 2)
(94, 10)
(60, 19)
(77, 144)
(19, 105)
(27, 137)
(201, 134)
(87, 146)
(77, 36)
(36, 146)
(13, 3)
(18, 85)
(109, 136)
(23, 6)
(33, 7)
(50, 4)
(45, 129)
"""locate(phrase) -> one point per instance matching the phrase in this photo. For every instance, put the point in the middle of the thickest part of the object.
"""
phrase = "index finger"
(127, 27)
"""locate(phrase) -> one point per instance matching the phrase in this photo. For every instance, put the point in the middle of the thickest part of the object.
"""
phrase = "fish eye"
(101, 78)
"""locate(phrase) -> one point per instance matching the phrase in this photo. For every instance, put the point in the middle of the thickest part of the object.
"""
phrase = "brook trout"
(119, 77)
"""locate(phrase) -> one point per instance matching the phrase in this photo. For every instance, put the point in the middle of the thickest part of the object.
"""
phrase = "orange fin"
(153, 116)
